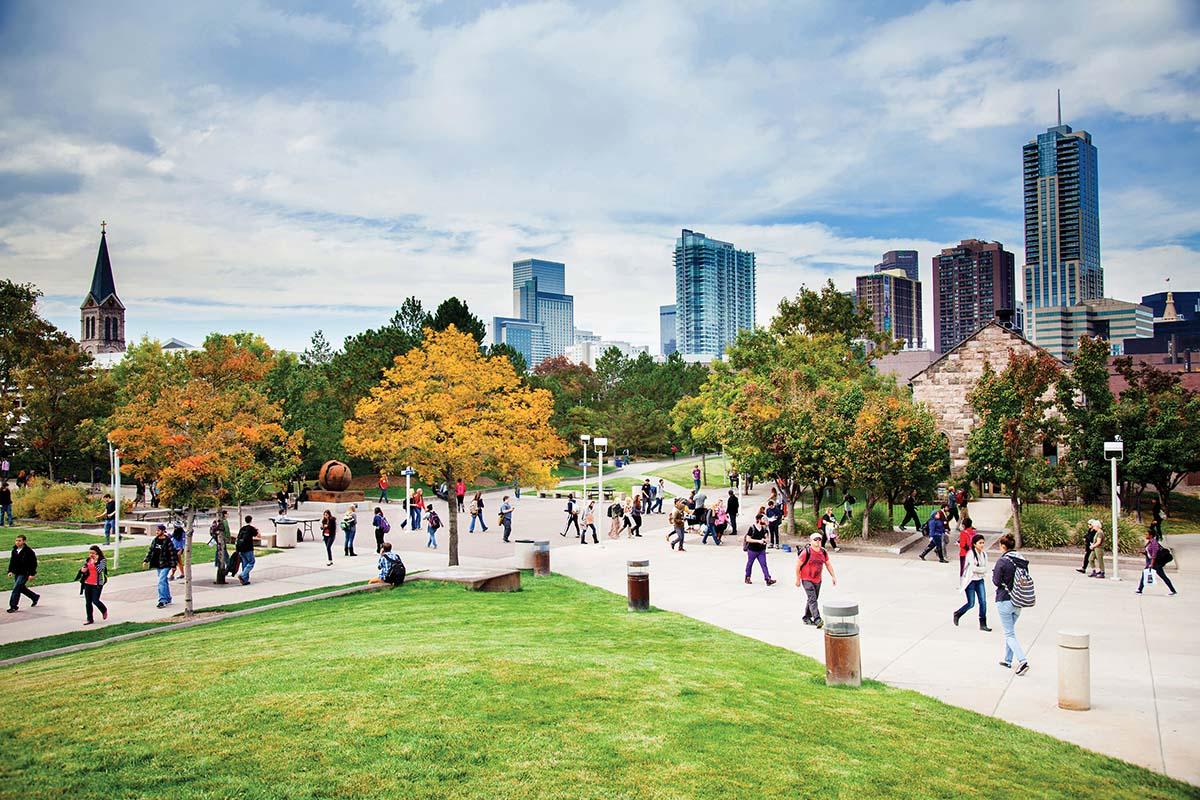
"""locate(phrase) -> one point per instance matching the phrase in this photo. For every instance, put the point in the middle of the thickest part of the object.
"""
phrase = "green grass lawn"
(49, 537)
(91, 634)
(618, 485)
(62, 567)
(681, 471)
(556, 691)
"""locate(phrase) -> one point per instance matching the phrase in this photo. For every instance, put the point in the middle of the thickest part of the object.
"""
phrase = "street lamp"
(114, 466)
(1114, 451)
(600, 444)
(408, 472)
(585, 438)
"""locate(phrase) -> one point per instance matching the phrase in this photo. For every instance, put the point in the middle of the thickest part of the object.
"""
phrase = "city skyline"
(248, 187)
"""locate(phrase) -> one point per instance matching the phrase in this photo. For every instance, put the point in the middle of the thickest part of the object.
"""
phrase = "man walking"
(245, 549)
(162, 557)
(696, 478)
(810, 564)
(506, 512)
(647, 495)
(731, 508)
(910, 511)
(5, 504)
(951, 506)
(110, 517)
(22, 566)
(660, 494)
(383, 488)
(937, 531)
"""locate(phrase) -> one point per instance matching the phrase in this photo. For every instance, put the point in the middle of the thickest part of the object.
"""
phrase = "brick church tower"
(102, 315)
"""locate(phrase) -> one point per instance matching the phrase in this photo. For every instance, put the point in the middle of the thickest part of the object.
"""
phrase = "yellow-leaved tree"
(449, 411)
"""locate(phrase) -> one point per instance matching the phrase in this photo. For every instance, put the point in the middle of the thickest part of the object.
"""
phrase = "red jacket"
(964, 541)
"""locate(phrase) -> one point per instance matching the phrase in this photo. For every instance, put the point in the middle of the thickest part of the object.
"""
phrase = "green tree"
(359, 366)
(453, 311)
(1086, 405)
(1015, 423)
(303, 388)
(827, 312)
(24, 337)
(512, 354)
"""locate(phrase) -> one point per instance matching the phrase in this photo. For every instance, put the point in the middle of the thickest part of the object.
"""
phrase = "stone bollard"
(843, 657)
(524, 553)
(541, 558)
(637, 578)
(1074, 671)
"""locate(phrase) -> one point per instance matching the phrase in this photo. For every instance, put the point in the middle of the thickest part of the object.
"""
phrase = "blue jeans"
(110, 527)
(350, 533)
(19, 588)
(432, 538)
(247, 565)
(164, 589)
(1009, 614)
(481, 522)
(414, 518)
(975, 590)
(696, 484)
(6, 511)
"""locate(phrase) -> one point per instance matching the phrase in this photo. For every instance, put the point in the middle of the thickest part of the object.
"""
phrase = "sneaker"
(1172, 594)
(820, 623)
(161, 605)
(1021, 670)
(922, 556)
(243, 580)
(103, 615)
(956, 618)
(87, 622)
(747, 581)
(1006, 664)
(1081, 571)
(1137, 591)
(771, 581)
(36, 598)
(10, 611)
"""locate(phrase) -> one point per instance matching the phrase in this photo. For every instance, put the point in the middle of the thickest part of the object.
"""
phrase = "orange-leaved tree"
(198, 440)
(449, 411)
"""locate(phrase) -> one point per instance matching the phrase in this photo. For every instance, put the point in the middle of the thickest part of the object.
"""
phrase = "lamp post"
(114, 465)
(1114, 451)
(600, 444)
(408, 472)
(585, 438)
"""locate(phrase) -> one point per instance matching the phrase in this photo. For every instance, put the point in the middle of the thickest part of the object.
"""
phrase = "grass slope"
(556, 691)
(48, 537)
(680, 472)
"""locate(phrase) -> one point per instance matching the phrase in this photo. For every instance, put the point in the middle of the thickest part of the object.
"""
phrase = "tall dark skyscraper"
(1062, 221)
(714, 294)
(895, 303)
(666, 329)
(906, 260)
(971, 283)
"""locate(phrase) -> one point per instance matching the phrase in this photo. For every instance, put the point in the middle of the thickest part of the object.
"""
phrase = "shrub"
(1043, 528)
(25, 500)
(58, 502)
(880, 521)
(1131, 537)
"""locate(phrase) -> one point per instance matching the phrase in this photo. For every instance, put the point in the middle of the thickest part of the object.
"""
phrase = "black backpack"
(1164, 557)
(396, 570)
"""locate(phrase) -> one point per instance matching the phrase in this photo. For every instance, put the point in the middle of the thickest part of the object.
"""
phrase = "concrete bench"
(475, 580)
(265, 540)
(137, 526)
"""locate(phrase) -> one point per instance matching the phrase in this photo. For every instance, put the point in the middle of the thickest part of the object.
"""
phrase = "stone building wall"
(943, 387)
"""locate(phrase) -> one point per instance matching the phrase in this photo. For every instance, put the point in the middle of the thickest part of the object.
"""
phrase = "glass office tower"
(714, 294)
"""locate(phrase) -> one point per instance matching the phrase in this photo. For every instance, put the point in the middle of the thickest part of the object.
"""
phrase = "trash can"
(637, 577)
(1074, 671)
(843, 658)
(541, 558)
(286, 536)
(524, 552)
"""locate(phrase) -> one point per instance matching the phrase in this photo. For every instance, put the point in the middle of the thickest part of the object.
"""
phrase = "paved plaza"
(1145, 653)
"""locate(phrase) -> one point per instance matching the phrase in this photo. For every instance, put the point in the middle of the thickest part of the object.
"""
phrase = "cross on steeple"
(103, 224)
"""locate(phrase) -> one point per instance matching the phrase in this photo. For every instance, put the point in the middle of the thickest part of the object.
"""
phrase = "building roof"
(103, 285)
(979, 330)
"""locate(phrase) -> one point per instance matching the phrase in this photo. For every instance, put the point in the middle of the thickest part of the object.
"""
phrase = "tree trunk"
(1016, 517)
(866, 520)
(790, 488)
(187, 564)
(452, 513)
(222, 563)
(703, 469)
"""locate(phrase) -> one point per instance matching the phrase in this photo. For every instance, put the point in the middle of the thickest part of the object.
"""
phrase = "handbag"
(1148, 576)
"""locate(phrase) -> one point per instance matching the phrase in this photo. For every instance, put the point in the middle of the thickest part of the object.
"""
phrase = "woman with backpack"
(476, 509)
(179, 542)
(572, 511)
(92, 577)
(1014, 591)
(635, 516)
(432, 522)
(382, 528)
(615, 514)
(328, 534)
(1157, 558)
(350, 527)
(589, 522)
(973, 574)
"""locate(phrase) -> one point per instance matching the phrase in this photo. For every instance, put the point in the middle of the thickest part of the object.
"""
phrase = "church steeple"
(102, 315)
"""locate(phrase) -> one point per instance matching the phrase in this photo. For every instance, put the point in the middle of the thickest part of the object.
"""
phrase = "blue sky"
(288, 167)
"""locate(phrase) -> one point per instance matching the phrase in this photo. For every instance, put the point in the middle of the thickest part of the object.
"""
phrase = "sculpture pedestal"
(323, 496)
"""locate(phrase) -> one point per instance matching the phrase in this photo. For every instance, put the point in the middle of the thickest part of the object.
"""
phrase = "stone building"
(943, 386)
(102, 315)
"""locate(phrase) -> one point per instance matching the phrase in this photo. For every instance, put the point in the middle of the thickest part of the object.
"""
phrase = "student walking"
(936, 533)
(1157, 558)
(432, 523)
(572, 512)
(660, 494)
(966, 540)
(6, 505)
(847, 509)
(416, 504)
(1004, 577)
(731, 508)
(476, 511)
(460, 493)
(161, 557)
(910, 511)
(951, 506)
(635, 517)
(811, 563)
(92, 577)
(350, 528)
(110, 518)
(245, 549)
(696, 478)
(1157, 517)
(506, 512)
(22, 568)
(383, 488)
(1093, 549)
(647, 495)
(328, 534)
(829, 527)
(382, 528)
(616, 513)
(179, 542)
(973, 575)
(589, 521)
(773, 516)
(678, 520)
(756, 549)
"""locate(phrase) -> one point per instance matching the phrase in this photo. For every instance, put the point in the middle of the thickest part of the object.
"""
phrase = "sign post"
(600, 444)
(114, 463)
(1114, 451)
(585, 438)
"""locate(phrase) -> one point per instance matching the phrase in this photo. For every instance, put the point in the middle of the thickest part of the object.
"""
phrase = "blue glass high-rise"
(714, 294)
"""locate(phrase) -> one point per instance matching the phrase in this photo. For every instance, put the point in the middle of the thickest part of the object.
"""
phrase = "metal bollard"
(1074, 671)
(843, 657)
(541, 558)
(637, 578)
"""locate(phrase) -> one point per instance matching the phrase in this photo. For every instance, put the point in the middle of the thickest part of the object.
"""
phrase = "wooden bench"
(593, 494)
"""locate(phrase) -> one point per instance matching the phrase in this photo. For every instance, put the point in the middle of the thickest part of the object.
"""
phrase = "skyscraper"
(102, 315)
(973, 283)
(541, 303)
(901, 259)
(1062, 221)
(895, 302)
(714, 294)
(666, 329)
